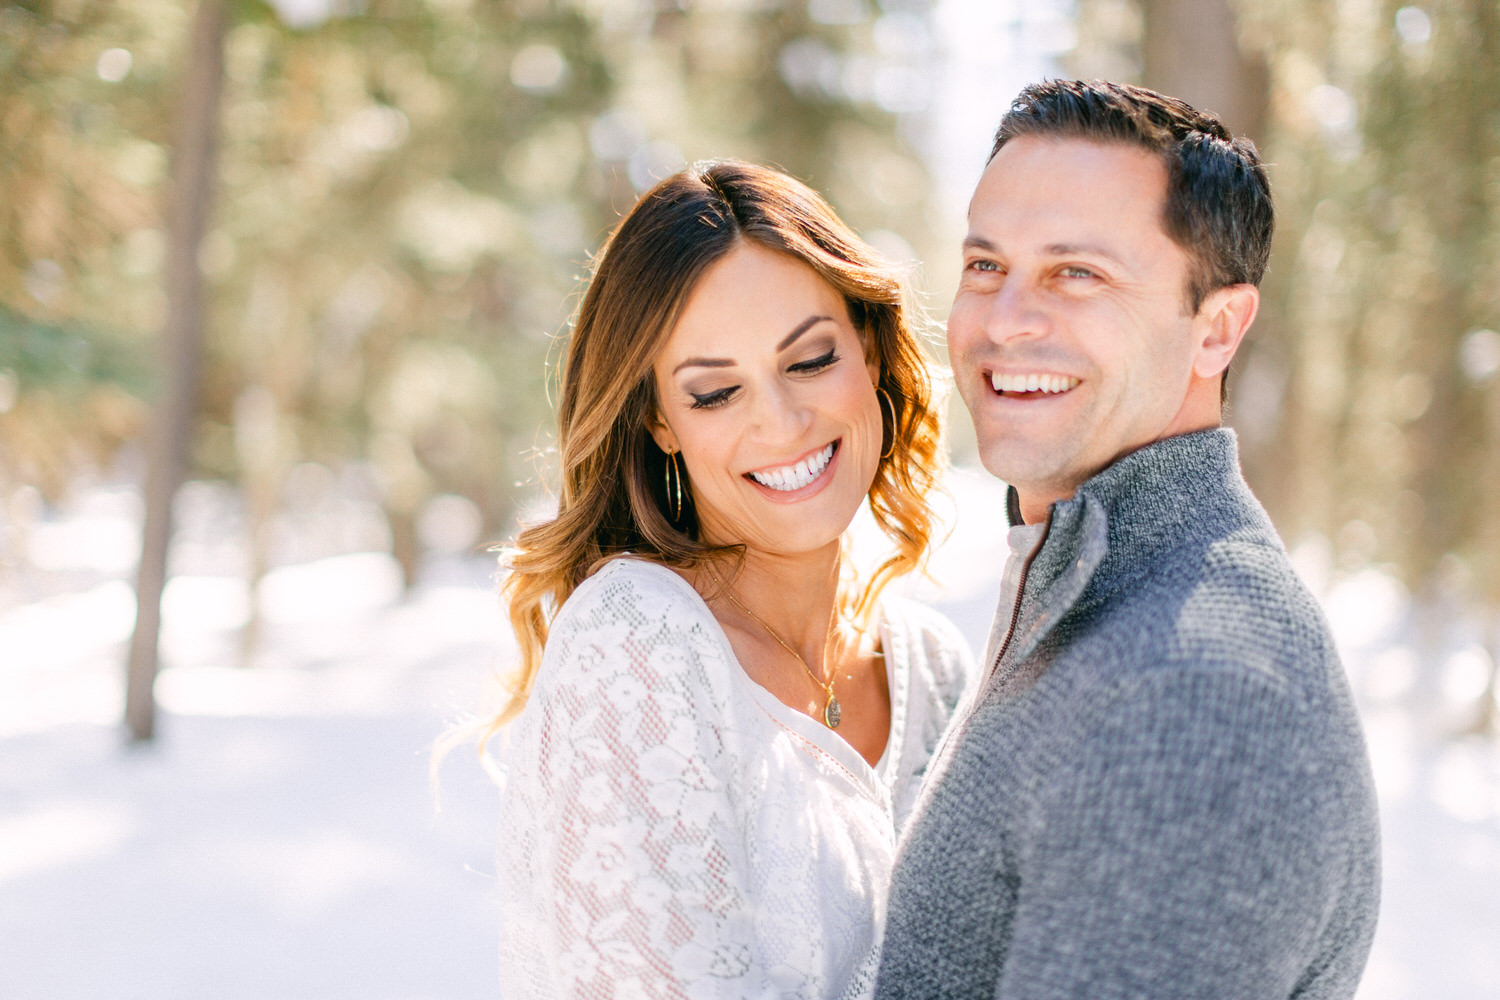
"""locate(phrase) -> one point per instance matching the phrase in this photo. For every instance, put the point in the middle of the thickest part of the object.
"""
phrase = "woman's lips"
(795, 477)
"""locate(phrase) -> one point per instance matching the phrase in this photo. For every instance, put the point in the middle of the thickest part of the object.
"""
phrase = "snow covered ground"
(280, 840)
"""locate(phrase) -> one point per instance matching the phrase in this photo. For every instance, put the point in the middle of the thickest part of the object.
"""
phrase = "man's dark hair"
(1218, 205)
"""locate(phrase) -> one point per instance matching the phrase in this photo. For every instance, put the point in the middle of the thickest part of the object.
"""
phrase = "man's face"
(1070, 336)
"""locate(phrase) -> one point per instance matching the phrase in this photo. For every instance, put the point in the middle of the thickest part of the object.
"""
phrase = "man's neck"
(1197, 414)
(1034, 506)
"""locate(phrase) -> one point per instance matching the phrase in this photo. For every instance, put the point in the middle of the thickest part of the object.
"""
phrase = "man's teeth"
(1032, 383)
(796, 476)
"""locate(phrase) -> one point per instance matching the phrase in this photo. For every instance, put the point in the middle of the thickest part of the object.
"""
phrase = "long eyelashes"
(717, 398)
(709, 400)
(816, 364)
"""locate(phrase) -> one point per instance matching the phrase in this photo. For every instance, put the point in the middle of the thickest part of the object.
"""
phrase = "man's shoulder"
(1239, 595)
(1230, 607)
(1235, 654)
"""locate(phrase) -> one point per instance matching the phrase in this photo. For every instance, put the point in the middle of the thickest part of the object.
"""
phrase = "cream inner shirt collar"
(1022, 540)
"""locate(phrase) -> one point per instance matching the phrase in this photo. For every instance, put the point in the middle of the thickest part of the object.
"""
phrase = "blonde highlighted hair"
(613, 497)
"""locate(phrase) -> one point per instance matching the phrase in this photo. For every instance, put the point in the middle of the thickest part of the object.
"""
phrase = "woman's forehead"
(756, 298)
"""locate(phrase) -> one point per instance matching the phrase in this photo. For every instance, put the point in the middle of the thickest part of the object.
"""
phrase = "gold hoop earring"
(880, 394)
(674, 485)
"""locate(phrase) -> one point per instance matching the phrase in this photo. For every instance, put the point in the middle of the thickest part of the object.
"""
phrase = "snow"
(281, 839)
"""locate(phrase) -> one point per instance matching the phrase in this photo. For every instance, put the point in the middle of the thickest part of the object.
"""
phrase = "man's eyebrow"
(1051, 249)
(786, 342)
(1084, 249)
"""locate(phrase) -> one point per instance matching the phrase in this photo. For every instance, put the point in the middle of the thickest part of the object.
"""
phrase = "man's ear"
(1220, 325)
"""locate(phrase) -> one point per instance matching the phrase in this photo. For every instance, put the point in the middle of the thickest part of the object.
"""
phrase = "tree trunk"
(181, 349)
(1191, 50)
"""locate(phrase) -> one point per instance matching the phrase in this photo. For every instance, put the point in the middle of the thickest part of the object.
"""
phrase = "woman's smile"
(799, 479)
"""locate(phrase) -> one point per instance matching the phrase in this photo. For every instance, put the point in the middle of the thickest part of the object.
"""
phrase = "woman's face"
(765, 390)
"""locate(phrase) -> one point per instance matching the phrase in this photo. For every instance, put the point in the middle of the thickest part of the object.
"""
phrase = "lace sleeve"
(620, 867)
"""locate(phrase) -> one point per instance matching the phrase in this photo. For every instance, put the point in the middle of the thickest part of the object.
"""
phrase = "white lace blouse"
(670, 829)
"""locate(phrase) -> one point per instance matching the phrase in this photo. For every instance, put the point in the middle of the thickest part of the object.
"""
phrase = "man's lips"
(1034, 384)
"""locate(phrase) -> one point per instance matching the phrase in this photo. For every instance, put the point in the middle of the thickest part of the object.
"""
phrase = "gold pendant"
(832, 713)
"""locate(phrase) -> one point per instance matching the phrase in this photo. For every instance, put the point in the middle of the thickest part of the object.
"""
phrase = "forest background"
(316, 259)
(381, 224)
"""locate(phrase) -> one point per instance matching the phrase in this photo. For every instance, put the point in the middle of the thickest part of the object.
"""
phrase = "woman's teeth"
(1032, 383)
(794, 477)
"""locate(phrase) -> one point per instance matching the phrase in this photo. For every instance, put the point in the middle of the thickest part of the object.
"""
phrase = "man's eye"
(815, 364)
(709, 400)
(1077, 272)
(984, 265)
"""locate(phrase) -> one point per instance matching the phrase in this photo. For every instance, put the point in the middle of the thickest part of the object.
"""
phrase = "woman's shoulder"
(930, 632)
(631, 616)
(629, 591)
(928, 645)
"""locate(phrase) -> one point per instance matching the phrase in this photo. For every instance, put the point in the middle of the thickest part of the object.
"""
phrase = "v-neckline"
(815, 738)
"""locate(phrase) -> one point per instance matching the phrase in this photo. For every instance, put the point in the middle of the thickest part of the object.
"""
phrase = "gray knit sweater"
(1162, 790)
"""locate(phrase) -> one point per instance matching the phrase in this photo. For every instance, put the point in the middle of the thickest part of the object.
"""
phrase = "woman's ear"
(662, 434)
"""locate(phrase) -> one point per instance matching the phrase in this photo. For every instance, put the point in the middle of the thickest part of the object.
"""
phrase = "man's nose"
(1014, 311)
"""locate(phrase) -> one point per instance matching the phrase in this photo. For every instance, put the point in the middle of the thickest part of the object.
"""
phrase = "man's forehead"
(1108, 163)
(1088, 188)
(1100, 148)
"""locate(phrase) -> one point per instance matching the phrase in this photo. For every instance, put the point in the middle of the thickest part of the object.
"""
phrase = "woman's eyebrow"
(800, 329)
(786, 342)
(704, 363)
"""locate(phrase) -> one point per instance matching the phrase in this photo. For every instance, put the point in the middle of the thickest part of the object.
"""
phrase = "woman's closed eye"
(718, 397)
(709, 400)
(815, 364)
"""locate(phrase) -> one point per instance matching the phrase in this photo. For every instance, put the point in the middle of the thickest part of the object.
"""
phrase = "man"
(1161, 790)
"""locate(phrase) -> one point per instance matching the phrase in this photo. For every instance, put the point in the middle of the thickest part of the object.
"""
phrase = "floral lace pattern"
(670, 830)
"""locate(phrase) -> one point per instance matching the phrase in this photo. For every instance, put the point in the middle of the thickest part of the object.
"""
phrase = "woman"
(718, 740)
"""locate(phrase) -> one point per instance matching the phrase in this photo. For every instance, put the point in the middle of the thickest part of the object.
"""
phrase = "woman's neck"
(794, 595)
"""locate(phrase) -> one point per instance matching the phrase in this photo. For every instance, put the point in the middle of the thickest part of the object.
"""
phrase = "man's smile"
(1031, 384)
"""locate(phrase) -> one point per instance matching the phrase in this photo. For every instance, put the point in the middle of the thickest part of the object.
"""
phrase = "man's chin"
(994, 464)
(1023, 463)
(1038, 482)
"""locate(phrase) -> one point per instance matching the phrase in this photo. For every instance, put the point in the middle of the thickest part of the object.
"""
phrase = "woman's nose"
(779, 413)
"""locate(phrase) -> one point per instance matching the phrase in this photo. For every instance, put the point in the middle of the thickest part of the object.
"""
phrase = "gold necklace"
(833, 713)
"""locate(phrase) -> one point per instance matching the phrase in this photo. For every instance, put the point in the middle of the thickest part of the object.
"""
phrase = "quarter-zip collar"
(1119, 524)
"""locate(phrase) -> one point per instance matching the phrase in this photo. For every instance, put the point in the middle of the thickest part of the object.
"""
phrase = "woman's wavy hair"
(613, 496)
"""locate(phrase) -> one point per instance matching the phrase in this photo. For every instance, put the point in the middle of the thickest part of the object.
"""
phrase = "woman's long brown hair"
(612, 498)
